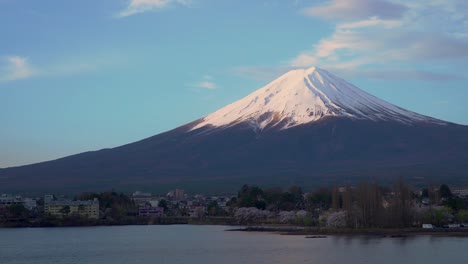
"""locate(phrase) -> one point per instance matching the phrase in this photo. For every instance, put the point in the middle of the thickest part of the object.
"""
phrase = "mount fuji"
(306, 95)
(307, 127)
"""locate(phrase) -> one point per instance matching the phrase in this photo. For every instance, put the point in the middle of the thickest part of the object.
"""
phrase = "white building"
(62, 208)
(7, 200)
(427, 226)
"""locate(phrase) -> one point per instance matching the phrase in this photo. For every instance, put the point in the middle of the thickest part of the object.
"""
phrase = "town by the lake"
(364, 207)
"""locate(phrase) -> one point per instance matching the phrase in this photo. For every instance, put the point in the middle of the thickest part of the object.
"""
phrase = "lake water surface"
(211, 244)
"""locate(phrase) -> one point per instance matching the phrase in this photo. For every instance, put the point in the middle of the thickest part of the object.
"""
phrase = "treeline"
(371, 206)
(367, 205)
(274, 199)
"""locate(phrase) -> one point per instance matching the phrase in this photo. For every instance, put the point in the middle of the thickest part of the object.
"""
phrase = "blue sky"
(91, 74)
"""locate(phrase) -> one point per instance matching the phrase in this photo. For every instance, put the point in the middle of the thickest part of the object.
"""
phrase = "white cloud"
(140, 6)
(15, 68)
(304, 60)
(386, 39)
(207, 82)
(206, 85)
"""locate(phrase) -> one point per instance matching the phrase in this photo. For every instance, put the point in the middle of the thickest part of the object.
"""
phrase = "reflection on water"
(211, 244)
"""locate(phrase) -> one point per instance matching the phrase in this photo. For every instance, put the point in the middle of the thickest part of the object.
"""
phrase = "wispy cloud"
(140, 6)
(15, 68)
(357, 9)
(371, 22)
(377, 37)
(395, 74)
(206, 85)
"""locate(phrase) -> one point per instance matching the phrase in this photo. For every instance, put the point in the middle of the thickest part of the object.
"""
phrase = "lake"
(211, 244)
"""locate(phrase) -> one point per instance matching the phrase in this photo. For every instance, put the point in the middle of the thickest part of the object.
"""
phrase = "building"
(29, 203)
(426, 201)
(197, 211)
(427, 226)
(48, 198)
(460, 192)
(7, 200)
(150, 211)
(60, 208)
(141, 198)
(179, 195)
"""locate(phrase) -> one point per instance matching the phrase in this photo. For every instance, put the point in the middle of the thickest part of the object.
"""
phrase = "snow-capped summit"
(306, 95)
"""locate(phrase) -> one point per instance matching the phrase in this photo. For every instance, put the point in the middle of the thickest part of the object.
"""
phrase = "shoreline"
(320, 232)
(310, 232)
(137, 221)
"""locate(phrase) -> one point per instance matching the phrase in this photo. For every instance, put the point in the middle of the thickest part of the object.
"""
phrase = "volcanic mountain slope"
(307, 127)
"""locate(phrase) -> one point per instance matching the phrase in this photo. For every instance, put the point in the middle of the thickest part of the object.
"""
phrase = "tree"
(232, 202)
(117, 205)
(163, 204)
(455, 203)
(337, 219)
(319, 199)
(335, 197)
(348, 206)
(272, 198)
(251, 196)
(369, 201)
(441, 216)
(462, 216)
(250, 215)
(200, 212)
(214, 209)
(287, 202)
(425, 193)
(17, 211)
(445, 191)
(434, 195)
(286, 217)
(401, 206)
(298, 195)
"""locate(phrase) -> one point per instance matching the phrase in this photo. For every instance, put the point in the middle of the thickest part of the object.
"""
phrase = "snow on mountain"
(306, 95)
